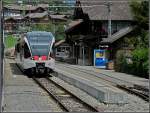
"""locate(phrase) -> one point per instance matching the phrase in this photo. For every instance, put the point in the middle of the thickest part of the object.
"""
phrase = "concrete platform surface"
(111, 73)
(123, 76)
(22, 94)
(102, 92)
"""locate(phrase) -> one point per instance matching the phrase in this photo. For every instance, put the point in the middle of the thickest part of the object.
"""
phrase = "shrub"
(10, 41)
(119, 61)
(140, 61)
(139, 65)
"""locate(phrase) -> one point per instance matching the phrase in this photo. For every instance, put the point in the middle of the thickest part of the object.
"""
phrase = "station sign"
(100, 59)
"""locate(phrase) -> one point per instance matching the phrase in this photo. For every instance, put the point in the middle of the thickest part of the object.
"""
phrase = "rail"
(68, 101)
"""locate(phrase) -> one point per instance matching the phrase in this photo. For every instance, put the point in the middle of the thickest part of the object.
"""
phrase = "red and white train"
(34, 52)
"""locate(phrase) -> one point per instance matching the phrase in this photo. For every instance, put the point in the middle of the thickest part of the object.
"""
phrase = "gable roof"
(98, 9)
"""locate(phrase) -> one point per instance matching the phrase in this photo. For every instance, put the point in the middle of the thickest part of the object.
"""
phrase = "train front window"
(40, 43)
(36, 39)
(40, 50)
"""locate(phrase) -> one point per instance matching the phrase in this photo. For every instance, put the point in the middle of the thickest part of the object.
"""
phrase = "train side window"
(27, 53)
(53, 48)
(58, 49)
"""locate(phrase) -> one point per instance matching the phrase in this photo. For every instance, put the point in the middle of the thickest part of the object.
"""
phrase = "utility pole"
(109, 19)
(1, 54)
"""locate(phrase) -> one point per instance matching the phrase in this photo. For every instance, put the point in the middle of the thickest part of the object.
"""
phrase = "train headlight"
(35, 57)
(44, 57)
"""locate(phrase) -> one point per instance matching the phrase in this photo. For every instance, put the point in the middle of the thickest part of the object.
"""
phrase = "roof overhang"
(117, 35)
(73, 24)
(59, 43)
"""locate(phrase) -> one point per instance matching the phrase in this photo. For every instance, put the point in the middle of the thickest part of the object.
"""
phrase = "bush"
(119, 61)
(139, 65)
(140, 61)
(10, 41)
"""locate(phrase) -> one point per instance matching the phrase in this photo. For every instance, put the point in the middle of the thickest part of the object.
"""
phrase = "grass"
(10, 41)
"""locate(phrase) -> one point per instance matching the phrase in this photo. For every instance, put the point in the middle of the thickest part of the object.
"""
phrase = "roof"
(26, 7)
(59, 42)
(14, 18)
(73, 24)
(45, 13)
(117, 35)
(58, 17)
(98, 10)
(37, 15)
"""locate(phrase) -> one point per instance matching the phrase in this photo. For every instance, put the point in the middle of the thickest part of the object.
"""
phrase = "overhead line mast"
(1, 55)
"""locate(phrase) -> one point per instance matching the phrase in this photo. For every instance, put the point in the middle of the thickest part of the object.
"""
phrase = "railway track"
(142, 95)
(135, 89)
(67, 101)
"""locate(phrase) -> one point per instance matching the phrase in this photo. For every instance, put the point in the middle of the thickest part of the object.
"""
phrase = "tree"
(140, 11)
(56, 29)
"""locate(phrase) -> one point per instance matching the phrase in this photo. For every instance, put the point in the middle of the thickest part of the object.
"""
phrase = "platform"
(102, 92)
(122, 76)
(22, 94)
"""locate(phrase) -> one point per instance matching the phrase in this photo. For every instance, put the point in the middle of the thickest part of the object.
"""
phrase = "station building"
(89, 29)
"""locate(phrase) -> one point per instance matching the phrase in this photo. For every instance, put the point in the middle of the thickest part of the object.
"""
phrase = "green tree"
(43, 27)
(56, 29)
(140, 62)
(140, 11)
(139, 38)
